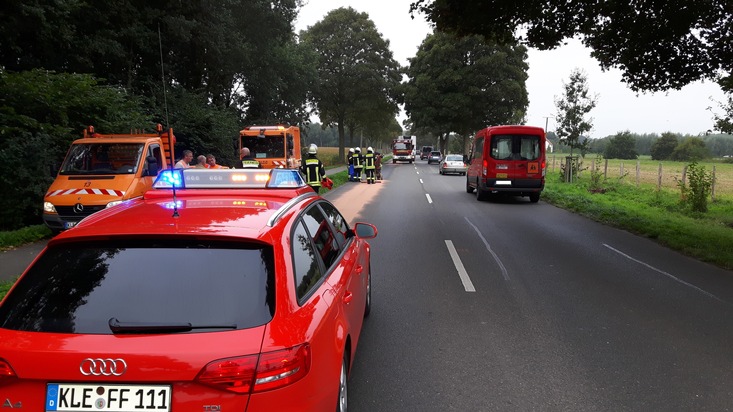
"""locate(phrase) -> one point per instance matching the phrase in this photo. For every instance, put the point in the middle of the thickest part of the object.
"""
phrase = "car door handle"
(348, 297)
(359, 269)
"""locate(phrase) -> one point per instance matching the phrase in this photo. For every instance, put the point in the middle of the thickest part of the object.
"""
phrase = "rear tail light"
(258, 373)
(6, 372)
(485, 167)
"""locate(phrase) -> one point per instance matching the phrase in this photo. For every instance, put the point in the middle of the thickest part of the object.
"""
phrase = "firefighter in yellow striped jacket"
(370, 166)
(313, 169)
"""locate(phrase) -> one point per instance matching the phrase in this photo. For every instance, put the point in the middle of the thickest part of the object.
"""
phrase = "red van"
(507, 160)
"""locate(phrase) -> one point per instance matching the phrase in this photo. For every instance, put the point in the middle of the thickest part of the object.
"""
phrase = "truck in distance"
(272, 146)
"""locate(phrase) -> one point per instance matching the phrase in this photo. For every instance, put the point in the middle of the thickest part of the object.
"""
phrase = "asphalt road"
(509, 305)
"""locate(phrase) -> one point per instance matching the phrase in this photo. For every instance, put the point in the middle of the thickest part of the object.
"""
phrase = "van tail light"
(258, 373)
(6, 372)
(485, 167)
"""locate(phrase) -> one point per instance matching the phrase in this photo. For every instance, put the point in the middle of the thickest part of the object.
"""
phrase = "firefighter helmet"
(358, 149)
(370, 150)
(312, 149)
(351, 150)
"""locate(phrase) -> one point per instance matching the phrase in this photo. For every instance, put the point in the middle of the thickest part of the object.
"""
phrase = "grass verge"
(659, 215)
(30, 234)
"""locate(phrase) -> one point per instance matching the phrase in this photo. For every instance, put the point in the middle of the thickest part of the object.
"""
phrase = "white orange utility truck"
(272, 146)
(102, 170)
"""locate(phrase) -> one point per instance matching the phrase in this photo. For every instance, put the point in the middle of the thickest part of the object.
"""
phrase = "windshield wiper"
(157, 327)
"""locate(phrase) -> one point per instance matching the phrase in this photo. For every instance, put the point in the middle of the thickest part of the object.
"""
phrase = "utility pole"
(547, 118)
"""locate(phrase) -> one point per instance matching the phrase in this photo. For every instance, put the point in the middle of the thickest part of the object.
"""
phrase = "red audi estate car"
(220, 290)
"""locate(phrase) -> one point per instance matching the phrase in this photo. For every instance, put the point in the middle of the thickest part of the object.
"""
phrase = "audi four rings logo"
(103, 367)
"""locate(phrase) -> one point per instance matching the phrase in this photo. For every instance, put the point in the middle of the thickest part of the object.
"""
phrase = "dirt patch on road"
(351, 198)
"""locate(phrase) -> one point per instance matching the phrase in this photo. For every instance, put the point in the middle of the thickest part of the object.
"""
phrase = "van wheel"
(469, 189)
(481, 195)
(534, 197)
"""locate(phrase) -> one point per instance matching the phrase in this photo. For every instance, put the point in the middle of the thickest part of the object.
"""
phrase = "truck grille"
(68, 212)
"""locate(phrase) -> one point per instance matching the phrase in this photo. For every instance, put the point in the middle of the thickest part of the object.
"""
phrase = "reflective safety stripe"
(369, 160)
(250, 164)
(312, 172)
(107, 192)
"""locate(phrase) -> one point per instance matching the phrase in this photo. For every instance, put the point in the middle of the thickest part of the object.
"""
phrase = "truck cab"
(274, 147)
(103, 170)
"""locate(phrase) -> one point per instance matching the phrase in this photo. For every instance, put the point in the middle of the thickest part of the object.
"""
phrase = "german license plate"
(69, 225)
(501, 175)
(117, 398)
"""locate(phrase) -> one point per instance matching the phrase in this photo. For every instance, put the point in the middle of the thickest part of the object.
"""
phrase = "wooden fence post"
(659, 177)
(638, 171)
(684, 175)
(605, 169)
(712, 190)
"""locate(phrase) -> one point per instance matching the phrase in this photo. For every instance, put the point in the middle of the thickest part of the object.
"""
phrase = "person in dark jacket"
(313, 169)
(370, 166)
(358, 164)
(247, 161)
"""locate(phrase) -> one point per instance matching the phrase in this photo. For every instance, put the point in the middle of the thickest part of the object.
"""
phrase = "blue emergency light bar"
(229, 179)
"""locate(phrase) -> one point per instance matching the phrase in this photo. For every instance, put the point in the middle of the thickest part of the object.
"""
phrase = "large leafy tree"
(658, 45)
(463, 84)
(691, 149)
(572, 110)
(621, 146)
(663, 147)
(358, 78)
(234, 51)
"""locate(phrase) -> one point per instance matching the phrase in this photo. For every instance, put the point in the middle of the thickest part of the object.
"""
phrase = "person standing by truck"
(185, 161)
(247, 161)
(313, 169)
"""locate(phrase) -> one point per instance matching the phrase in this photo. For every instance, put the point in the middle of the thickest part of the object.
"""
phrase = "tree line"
(206, 69)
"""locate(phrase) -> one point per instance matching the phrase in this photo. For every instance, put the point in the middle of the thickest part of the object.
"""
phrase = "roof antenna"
(175, 202)
(162, 75)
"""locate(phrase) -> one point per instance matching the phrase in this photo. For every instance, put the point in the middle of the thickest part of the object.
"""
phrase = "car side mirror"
(365, 230)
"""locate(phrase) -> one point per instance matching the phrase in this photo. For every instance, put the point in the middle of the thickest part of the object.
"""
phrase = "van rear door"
(516, 158)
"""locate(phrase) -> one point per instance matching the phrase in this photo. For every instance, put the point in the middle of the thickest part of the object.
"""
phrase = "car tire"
(469, 189)
(343, 393)
(368, 306)
(534, 197)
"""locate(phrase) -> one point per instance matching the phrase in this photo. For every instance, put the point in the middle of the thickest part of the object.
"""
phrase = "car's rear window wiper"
(154, 327)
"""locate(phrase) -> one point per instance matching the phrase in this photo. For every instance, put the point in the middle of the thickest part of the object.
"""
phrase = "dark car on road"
(434, 157)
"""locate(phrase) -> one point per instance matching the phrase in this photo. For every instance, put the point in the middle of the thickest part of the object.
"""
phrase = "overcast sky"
(618, 108)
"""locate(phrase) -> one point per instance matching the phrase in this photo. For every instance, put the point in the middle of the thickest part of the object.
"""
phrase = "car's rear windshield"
(86, 287)
(434, 153)
(454, 158)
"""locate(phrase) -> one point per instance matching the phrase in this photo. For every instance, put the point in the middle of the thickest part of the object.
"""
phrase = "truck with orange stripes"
(103, 170)
(273, 147)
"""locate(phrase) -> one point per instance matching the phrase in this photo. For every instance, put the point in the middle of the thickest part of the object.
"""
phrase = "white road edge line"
(421, 182)
(429, 199)
(467, 284)
(486, 243)
(664, 273)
